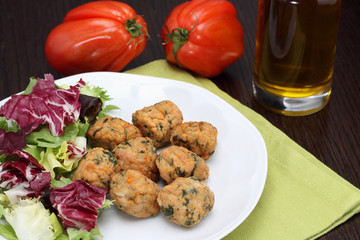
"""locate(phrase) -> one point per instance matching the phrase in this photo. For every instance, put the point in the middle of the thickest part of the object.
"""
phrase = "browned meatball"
(96, 167)
(198, 137)
(108, 132)
(175, 161)
(186, 201)
(138, 154)
(158, 121)
(134, 194)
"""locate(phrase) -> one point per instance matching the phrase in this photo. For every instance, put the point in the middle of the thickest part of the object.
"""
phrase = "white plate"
(238, 167)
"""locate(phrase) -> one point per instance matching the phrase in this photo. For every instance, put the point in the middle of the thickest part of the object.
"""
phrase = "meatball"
(198, 137)
(96, 167)
(138, 154)
(158, 121)
(134, 194)
(186, 201)
(175, 161)
(108, 132)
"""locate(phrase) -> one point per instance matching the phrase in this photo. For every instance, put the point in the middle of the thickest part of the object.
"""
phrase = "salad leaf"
(62, 182)
(95, 91)
(56, 226)
(30, 220)
(12, 141)
(8, 125)
(45, 128)
(45, 104)
(23, 179)
(32, 83)
(61, 159)
(77, 204)
(42, 136)
(8, 232)
(75, 234)
(90, 108)
(107, 109)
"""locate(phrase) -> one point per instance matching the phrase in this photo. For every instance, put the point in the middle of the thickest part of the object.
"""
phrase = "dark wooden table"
(332, 135)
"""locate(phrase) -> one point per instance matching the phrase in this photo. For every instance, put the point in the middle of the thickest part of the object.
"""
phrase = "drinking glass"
(294, 54)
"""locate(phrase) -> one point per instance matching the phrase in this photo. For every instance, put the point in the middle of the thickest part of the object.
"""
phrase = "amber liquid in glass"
(295, 46)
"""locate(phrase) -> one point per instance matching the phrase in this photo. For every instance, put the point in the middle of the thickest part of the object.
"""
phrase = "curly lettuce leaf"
(99, 92)
(76, 234)
(95, 91)
(30, 220)
(42, 136)
(62, 159)
(106, 110)
(93, 107)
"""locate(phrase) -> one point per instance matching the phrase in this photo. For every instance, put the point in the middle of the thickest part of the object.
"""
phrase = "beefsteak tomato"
(96, 36)
(204, 36)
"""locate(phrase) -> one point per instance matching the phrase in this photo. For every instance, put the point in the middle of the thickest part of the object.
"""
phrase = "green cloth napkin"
(302, 198)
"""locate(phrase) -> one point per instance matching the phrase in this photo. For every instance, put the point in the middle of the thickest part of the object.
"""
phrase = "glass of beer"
(294, 54)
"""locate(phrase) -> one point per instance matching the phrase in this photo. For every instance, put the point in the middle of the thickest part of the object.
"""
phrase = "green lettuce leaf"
(76, 234)
(7, 232)
(8, 125)
(98, 92)
(56, 160)
(57, 228)
(32, 83)
(29, 218)
(95, 91)
(42, 136)
(62, 182)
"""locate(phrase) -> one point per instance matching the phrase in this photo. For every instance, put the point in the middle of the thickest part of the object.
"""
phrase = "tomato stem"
(178, 37)
(135, 29)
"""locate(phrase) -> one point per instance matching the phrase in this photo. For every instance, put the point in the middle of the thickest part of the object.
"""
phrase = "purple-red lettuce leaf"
(22, 178)
(12, 141)
(45, 105)
(78, 204)
(90, 108)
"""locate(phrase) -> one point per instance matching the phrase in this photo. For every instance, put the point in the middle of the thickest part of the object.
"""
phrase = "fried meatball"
(198, 137)
(186, 201)
(134, 194)
(158, 121)
(108, 132)
(175, 161)
(137, 154)
(96, 167)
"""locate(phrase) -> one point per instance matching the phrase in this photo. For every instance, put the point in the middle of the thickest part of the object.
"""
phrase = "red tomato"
(96, 36)
(204, 36)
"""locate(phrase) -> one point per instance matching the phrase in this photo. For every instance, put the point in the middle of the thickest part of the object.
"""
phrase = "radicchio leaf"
(90, 108)
(45, 104)
(77, 148)
(77, 204)
(23, 179)
(12, 141)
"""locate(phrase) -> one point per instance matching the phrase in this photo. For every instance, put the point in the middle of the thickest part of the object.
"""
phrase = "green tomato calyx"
(135, 29)
(178, 37)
